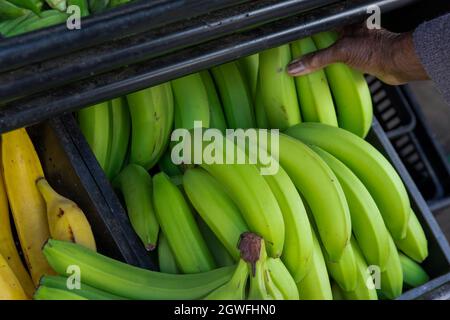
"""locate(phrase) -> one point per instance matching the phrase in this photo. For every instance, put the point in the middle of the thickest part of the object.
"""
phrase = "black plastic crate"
(67, 172)
(437, 264)
(400, 116)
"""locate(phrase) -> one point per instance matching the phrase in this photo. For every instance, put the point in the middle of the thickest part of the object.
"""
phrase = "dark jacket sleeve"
(432, 43)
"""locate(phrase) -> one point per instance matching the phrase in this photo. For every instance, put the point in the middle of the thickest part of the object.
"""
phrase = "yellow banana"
(10, 288)
(368, 164)
(277, 88)
(314, 95)
(66, 220)
(8, 247)
(21, 170)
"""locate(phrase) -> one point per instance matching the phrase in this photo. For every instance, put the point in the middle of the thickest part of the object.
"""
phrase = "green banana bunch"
(362, 290)
(235, 289)
(85, 291)
(415, 244)
(249, 67)
(392, 278)
(313, 178)
(130, 282)
(316, 284)
(282, 279)
(95, 125)
(221, 255)
(152, 114)
(191, 101)
(135, 184)
(235, 96)
(217, 118)
(298, 248)
(337, 292)
(350, 91)
(413, 274)
(120, 135)
(47, 293)
(258, 278)
(314, 95)
(368, 164)
(166, 164)
(215, 207)
(367, 222)
(166, 259)
(178, 225)
(277, 88)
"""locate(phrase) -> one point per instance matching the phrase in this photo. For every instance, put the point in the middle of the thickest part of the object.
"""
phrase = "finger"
(314, 61)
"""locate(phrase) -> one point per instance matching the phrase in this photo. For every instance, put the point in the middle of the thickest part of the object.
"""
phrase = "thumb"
(313, 61)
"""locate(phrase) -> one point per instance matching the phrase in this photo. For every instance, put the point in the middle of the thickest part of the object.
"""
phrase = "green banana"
(362, 290)
(298, 248)
(350, 91)
(94, 123)
(47, 293)
(260, 112)
(313, 178)
(178, 224)
(215, 207)
(85, 291)
(314, 95)
(135, 183)
(277, 88)
(368, 164)
(344, 272)
(217, 118)
(191, 101)
(392, 278)
(120, 136)
(152, 114)
(10, 24)
(258, 289)
(128, 281)
(235, 289)
(166, 259)
(10, 11)
(272, 289)
(316, 284)
(413, 274)
(235, 96)
(221, 255)
(98, 5)
(415, 244)
(367, 222)
(249, 67)
(167, 166)
(282, 279)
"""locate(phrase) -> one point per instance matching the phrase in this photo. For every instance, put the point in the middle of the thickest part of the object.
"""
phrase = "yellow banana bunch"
(10, 288)
(21, 170)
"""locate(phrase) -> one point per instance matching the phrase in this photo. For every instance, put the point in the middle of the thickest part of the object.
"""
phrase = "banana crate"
(112, 216)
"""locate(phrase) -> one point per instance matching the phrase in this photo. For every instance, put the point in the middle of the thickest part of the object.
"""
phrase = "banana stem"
(45, 189)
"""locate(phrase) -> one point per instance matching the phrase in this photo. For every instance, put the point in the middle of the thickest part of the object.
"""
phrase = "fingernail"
(296, 67)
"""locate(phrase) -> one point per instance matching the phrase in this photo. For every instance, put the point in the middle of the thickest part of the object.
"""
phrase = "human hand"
(391, 57)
